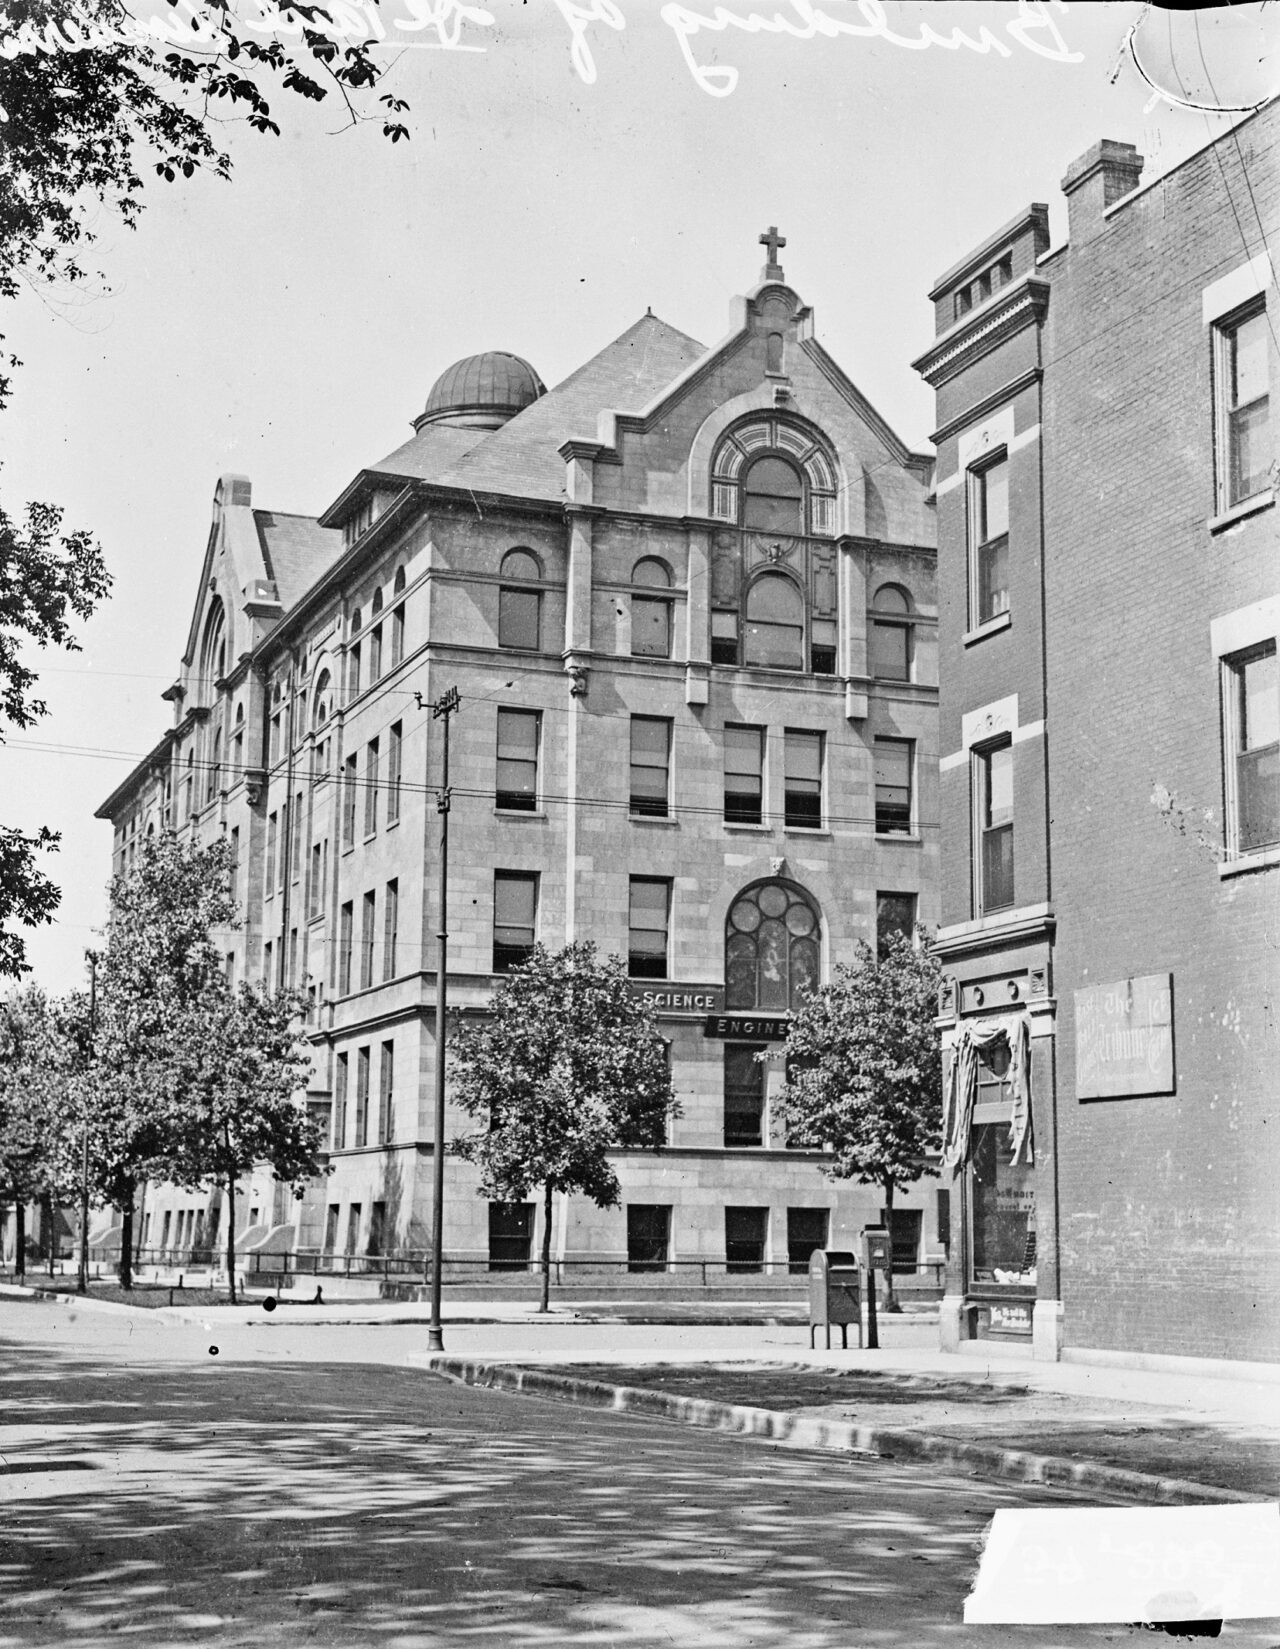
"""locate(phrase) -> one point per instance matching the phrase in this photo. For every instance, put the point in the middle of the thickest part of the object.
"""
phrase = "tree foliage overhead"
(41, 1102)
(864, 1069)
(566, 1067)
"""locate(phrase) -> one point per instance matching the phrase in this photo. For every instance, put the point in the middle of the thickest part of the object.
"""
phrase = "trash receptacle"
(835, 1294)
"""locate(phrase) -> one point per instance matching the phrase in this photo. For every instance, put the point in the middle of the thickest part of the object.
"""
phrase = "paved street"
(297, 1488)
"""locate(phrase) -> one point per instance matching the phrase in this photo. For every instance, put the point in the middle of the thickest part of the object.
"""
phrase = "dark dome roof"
(482, 391)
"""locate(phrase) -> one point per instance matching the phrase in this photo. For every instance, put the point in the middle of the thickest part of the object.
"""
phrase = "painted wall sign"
(1010, 1319)
(1124, 1038)
(680, 998)
(750, 1027)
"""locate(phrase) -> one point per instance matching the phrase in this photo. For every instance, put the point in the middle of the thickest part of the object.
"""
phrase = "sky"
(570, 164)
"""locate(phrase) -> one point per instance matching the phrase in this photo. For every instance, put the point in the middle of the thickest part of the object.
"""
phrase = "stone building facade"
(1109, 590)
(686, 598)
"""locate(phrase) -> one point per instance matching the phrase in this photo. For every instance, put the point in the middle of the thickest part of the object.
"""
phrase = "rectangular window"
(354, 1214)
(386, 1093)
(293, 956)
(368, 920)
(648, 922)
(331, 1227)
(295, 843)
(515, 906)
(650, 627)
(377, 1228)
(890, 651)
(233, 878)
(1252, 726)
(802, 794)
(397, 635)
(994, 866)
(340, 1076)
(395, 759)
(648, 1236)
(989, 541)
(650, 766)
(353, 671)
(346, 921)
(724, 638)
(349, 802)
(273, 747)
(905, 1230)
(371, 788)
(362, 1096)
(273, 826)
(510, 1236)
(822, 643)
(1243, 406)
(519, 619)
(375, 654)
(315, 893)
(390, 928)
(806, 1230)
(516, 780)
(893, 786)
(746, 1231)
(895, 914)
(743, 775)
(267, 978)
(743, 1094)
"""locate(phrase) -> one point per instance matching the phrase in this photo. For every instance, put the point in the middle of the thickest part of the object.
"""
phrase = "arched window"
(651, 615)
(398, 587)
(189, 784)
(772, 948)
(213, 654)
(237, 742)
(773, 497)
(891, 634)
(377, 603)
(520, 608)
(214, 777)
(320, 701)
(355, 622)
(775, 623)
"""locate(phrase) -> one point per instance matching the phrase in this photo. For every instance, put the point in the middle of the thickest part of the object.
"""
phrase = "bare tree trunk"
(545, 1303)
(231, 1235)
(890, 1301)
(20, 1241)
(126, 1236)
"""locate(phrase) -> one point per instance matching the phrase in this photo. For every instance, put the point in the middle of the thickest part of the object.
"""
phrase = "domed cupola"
(481, 392)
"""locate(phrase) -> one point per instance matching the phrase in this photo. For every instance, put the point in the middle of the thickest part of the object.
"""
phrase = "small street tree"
(864, 1071)
(566, 1067)
(38, 1114)
(236, 1077)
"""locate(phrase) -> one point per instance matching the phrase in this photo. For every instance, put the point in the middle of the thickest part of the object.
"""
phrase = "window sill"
(652, 819)
(908, 838)
(1264, 859)
(392, 824)
(518, 813)
(735, 828)
(805, 830)
(368, 837)
(993, 627)
(1238, 512)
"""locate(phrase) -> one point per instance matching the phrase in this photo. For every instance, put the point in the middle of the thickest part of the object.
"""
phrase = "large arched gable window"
(772, 948)
(213, 653)
(771, 475)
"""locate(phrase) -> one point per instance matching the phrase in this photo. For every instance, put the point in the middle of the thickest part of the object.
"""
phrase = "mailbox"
(878, 1246)
(835, 1294)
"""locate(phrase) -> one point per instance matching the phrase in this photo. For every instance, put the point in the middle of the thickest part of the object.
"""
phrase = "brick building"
(1109, 598)
(687, 598)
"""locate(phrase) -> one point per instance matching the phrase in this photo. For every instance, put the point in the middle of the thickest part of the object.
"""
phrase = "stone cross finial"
(774, 241)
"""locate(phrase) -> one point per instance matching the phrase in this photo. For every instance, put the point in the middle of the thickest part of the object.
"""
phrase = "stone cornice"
(1026, 926)
(1014, 308)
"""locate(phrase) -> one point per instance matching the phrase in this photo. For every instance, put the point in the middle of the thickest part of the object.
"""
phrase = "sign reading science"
(1124, 1038)
(699, 999)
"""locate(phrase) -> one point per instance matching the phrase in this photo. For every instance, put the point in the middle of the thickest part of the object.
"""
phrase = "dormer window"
(357, 523)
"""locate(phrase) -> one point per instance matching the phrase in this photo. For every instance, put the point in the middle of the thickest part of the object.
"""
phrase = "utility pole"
(441, 710)
(82, 1278)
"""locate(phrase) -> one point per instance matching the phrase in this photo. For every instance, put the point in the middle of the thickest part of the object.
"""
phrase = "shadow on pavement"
(260, 1504)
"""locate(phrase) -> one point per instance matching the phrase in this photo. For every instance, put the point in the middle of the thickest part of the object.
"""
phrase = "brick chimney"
(1101, 176)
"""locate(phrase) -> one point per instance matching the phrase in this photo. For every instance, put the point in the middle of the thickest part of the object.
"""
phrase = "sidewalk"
(1159, 1436)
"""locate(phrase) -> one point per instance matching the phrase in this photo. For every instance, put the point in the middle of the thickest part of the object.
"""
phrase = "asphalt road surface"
(284, 1493)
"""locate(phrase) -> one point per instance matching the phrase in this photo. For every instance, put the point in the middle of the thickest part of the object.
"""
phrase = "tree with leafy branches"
(39, 1113)
(237, 1074)
(192, 1081)
(864, 1071)
(565, 1068)
(82, 127)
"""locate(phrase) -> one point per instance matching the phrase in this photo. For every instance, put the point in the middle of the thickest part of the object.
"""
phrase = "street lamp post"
(441, 710)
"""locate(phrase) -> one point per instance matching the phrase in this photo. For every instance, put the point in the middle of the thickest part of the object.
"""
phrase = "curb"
(81, 1302)
(798, 1430)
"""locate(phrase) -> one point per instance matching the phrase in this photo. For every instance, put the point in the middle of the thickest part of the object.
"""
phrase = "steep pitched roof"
(296, 551)
(522, 457)
(432, 451)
